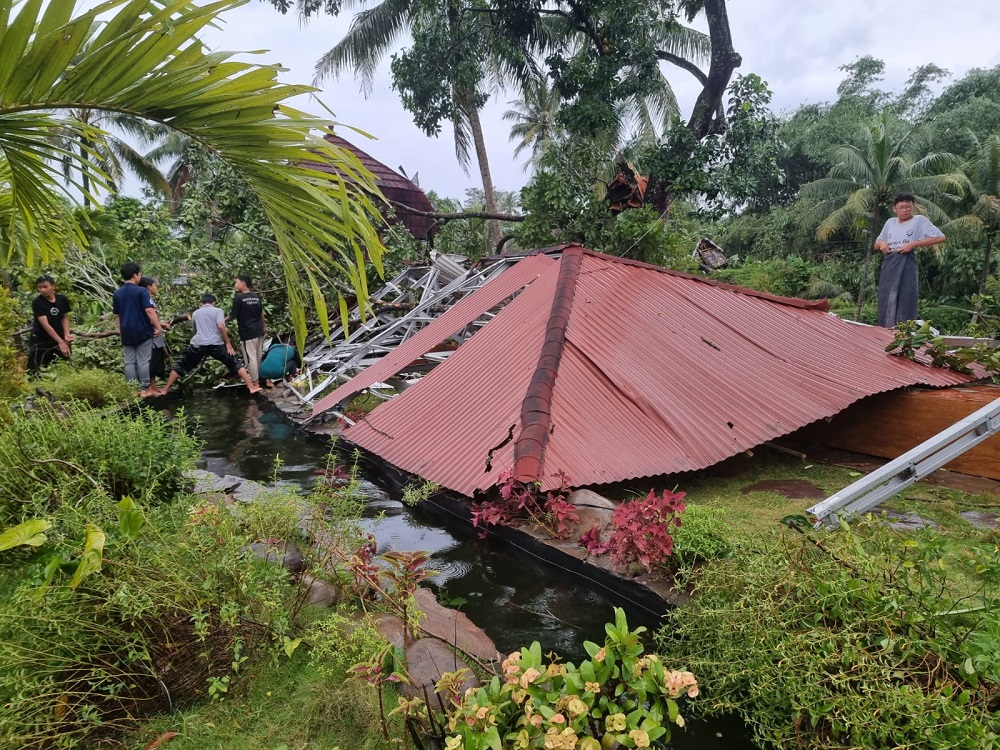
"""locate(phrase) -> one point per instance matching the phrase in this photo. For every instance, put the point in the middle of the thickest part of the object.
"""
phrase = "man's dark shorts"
(193, 356)
(41, 354)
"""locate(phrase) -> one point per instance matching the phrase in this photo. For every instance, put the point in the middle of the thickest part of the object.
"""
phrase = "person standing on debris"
(49, 325)
(897, 284)
(248, 312)
(137, 324)
(210, 339)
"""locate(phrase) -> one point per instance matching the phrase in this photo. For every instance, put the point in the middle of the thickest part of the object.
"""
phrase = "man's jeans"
(137, 360)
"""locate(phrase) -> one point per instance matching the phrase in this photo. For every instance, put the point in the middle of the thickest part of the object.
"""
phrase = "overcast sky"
(795, 45)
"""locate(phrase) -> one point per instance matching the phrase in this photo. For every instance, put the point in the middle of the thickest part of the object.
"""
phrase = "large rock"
(392, 630)
(279, 552)
(452, 626)
(981, 519)
(319, 591)
(205, 482)
(428, 659)
(248, 491)
(594, 511)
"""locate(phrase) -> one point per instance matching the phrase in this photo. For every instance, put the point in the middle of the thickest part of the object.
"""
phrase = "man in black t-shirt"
(248, 311)
(49, 325)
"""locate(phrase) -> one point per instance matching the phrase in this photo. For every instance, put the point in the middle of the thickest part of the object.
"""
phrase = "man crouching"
(210, 339)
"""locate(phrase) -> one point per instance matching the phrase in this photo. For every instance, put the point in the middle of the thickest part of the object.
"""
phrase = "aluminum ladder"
(911, 467)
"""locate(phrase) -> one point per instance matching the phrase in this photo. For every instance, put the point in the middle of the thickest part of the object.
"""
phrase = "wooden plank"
(889, 424)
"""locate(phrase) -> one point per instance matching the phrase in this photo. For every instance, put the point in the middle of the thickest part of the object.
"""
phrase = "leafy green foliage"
(617, 695)
(864, 639)
(913, 339)
(788, 277)
(130, 622)
(338, 642)
(96, 387)
(27, 533)
(58, 455)
(565, 202)
(703, 535)
(11, 362)
(128, 63)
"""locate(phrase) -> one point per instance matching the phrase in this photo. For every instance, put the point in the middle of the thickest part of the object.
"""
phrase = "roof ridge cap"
(536, 407)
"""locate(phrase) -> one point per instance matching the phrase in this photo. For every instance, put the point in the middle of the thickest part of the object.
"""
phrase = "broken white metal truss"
(401, 308)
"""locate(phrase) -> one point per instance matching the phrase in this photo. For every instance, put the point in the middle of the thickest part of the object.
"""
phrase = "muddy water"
(514, 597)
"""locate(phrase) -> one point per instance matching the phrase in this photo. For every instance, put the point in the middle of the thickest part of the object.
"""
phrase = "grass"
(290, 705)
(751, 513)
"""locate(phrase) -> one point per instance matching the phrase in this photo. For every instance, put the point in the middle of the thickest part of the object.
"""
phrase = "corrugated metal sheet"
(395, 187)
(455, 319)
(659, 373)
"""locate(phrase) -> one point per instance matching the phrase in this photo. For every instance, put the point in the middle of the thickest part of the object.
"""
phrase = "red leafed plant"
(519, 503)
(642, 530)
(591, 541)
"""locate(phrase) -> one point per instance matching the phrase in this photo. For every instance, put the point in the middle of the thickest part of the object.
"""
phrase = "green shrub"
(60, 454)
(618, 697)
(95, 387)
(11, 362)
(866, 639)
(98, 354)
(340, 641)
(168, 610)
(788, 277)
(702, 535)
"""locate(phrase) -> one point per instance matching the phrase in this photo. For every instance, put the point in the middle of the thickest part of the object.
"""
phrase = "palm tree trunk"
(496, 231)
(987, 258)
(872, 234)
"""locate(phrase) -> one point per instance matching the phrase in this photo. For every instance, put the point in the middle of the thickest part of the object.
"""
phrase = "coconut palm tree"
(111, 154)
(864, 179)
(143, 58)
(178, 151)
(983, 171)
(534, 118)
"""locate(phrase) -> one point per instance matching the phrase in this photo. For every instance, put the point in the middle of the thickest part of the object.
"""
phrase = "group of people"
(143, 342)
(144, 346)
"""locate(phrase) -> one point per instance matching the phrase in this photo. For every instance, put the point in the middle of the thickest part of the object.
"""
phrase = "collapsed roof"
(606, 369)
(401, 192)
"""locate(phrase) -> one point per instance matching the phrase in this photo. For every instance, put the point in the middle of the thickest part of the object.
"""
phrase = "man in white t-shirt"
(210, 339)
(897, 284)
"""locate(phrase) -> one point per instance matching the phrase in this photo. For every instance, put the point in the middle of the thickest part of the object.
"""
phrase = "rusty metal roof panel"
(460, 315)
(460, 419)
(396, 188)
(659, 373)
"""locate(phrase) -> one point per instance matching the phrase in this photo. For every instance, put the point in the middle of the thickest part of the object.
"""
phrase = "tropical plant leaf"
(25, 534)
(130, 517)
(90, 560)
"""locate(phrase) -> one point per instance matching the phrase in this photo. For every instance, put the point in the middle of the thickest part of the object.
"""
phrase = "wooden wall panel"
(889, 424)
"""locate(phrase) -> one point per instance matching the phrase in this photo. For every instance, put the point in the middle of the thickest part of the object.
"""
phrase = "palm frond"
(373, 33)
(145, 60)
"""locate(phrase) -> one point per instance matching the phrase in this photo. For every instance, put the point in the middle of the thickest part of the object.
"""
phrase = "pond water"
(513, 596)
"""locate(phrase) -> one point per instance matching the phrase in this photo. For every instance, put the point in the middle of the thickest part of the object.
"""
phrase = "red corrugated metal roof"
(656, 372)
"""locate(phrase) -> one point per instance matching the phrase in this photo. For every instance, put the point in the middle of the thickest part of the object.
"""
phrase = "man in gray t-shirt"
(897, 284)
(210, 339)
